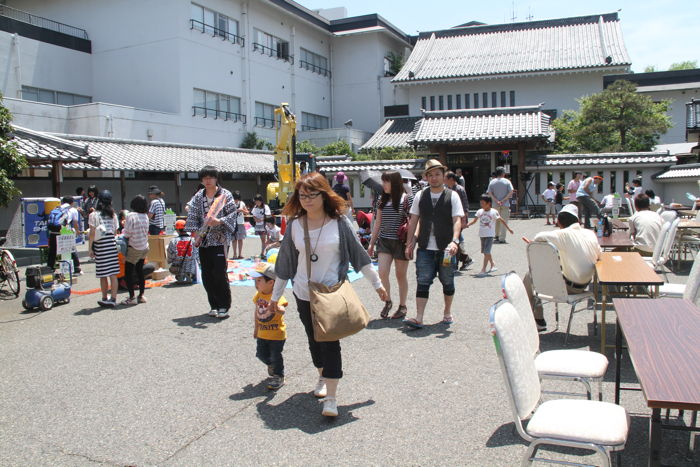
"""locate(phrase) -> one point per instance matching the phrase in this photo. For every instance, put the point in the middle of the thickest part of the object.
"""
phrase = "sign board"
(65, 243)
(169, 220)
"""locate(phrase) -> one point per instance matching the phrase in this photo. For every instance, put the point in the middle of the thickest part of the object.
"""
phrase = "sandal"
(413, 323)
(385, 311)
(447, 320)
(400, 312)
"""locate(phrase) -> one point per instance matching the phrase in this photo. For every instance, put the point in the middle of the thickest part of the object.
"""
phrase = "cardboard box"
(157, 248)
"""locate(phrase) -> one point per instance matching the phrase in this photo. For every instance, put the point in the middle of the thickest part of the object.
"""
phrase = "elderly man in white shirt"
(645, 226)
(578, 253)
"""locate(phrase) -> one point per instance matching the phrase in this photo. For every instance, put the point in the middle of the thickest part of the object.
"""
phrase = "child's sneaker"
(110, 303)
(129, 301)
(330, 407)
(222, 314)
(142, 299)
(275, 382)
(103, 302)
(320, 390)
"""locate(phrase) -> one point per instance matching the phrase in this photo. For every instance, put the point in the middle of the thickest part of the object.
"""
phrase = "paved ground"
(163, 384)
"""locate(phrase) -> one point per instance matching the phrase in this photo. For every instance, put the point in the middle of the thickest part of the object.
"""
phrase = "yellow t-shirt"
(268, 325)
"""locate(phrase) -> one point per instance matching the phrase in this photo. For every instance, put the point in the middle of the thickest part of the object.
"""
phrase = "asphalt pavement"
(164, 384)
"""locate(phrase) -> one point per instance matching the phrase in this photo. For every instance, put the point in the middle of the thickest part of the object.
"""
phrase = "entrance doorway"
(476, 169)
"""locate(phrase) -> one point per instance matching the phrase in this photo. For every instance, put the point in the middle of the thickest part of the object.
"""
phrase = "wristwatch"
(455, 241)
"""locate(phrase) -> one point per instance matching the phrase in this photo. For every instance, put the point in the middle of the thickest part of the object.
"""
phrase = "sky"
(656, 32)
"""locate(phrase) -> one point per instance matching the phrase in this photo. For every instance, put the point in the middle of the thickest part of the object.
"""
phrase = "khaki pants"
(536, 305)
(504, 212)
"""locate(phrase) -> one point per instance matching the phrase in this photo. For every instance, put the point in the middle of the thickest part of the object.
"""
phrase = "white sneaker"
(213, 312)
(320, 390)
(222, 314)
(330, 407)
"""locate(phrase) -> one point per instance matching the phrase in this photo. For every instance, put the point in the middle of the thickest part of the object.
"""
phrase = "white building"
(196, 72)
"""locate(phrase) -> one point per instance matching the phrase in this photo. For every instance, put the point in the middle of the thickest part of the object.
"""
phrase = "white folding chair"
(669, 215)
(601, 427)
(548, 280)
(669, 241)
(630, 206)
(654, 259)
(690, 289)
(582, 366)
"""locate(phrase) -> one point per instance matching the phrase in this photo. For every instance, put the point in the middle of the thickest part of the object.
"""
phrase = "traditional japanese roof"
(682, 172)
(349, 165)
(551, 161)
(566, 44)
(394, 133)
(41, 148)
(482, 125)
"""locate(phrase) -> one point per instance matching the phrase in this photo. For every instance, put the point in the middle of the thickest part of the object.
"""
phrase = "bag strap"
(307, 246)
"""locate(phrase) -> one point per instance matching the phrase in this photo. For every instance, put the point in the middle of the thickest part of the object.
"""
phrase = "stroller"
(364, 222)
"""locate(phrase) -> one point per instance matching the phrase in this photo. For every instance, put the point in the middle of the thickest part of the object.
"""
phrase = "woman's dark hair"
(139, 204)
(104, 204)
(650, 194)
(485, 198)
(333, 204)
(92, 189)
(637, 182)
(209, 171)
(236, 195)
(257, 198)
(394, 193)
(270, 220)
(79, 191)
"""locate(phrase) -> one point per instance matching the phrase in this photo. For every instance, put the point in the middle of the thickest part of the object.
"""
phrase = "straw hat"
(433, 164)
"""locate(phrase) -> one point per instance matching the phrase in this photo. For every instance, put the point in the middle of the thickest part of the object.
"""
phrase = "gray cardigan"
(351, 252)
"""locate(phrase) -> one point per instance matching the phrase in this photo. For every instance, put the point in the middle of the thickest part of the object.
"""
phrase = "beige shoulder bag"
(336, 311)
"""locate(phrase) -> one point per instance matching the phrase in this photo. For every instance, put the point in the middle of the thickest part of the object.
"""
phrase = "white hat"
(571, 209)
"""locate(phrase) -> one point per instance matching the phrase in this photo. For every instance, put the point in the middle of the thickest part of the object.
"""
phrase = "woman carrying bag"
(333, 246)
(103, 248)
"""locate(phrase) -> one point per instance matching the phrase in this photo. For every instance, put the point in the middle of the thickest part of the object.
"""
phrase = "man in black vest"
(440, 212)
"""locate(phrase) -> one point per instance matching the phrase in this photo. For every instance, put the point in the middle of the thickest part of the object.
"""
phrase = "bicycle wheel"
(11, 272)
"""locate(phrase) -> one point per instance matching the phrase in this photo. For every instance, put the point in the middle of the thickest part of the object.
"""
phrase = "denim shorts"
(428, 265)
(486, 244)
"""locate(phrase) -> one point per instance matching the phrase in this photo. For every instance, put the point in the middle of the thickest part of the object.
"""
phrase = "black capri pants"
(325, 355)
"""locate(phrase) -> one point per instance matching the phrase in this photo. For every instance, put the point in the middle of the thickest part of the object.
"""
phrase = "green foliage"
(337, 148)
(649, 69)
(618, 119)
(307, 146)
(11, 161)
(387, 153)
(396, 62)
(686, 65)
(251, 141)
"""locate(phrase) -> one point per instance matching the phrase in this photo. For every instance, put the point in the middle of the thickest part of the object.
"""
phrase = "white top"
(72, 216)
(240, 219)
(457, 211)
(259, 214)
(549, 194)
(136, 230)
(645, 228)
(636, 191)
(487, 222)
(325, 270)
(578, 251)
(573, 185)
(608, 201)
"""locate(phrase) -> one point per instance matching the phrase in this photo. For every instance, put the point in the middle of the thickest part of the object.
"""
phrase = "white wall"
(676, 134)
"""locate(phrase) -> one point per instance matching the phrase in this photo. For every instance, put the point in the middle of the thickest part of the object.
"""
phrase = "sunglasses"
(309, 196)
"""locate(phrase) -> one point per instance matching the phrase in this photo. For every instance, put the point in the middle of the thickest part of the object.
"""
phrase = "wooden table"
(686, 224)
(619, 224)
(622, 269)
(661, 338)
(687, 213)
(616, 240)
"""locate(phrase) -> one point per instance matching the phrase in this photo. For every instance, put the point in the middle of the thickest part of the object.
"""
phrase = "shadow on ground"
(197, 322)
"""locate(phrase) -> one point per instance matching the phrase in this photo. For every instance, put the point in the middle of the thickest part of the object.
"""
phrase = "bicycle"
(9, 273)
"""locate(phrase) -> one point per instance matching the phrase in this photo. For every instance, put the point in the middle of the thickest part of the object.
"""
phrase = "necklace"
(314, 256)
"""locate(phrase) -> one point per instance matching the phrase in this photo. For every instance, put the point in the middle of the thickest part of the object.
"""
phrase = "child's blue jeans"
(270, 353)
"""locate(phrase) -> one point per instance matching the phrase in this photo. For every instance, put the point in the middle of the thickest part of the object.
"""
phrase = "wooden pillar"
(258, 182)
(122, 188)
(442, 154)
(178, 201)
(56, 178)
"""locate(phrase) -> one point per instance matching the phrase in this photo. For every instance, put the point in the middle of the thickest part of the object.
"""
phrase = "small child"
(270, 330)
(274, 234)
(487, 218)
(550, 210)
(559, 198)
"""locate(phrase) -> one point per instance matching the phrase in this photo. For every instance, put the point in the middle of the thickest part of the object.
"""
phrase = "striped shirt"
(158, 210)
(392, 219)
(136, 230)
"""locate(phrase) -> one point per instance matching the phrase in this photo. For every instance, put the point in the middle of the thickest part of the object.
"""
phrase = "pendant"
(314, 257)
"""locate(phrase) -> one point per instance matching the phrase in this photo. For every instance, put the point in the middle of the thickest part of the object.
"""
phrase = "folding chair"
(690, 289)
(669, 215)
(548, 281)
(582, 366)
(655, 259)
(601, 427)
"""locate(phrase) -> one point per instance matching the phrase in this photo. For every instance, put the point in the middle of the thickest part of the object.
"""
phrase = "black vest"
(438, 217)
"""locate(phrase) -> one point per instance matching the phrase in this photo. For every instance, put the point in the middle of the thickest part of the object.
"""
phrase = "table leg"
(618, 360)
(656, 291)
(604, 299)
(655, 438)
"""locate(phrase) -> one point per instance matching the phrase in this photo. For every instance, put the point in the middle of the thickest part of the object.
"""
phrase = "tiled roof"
(551, 45)
(41, 148)
(482, 125)
(150, 156)
(691, 171)
(394, 133)
(617, 158)
(350, 165)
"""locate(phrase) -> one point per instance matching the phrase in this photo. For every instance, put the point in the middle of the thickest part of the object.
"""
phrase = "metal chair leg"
(568, 326)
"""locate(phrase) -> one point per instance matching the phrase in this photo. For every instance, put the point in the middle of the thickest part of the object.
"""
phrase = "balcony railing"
(217, 114)
(265, 122)
(273, 52)
(216, 32)
(312, 128)
(40, 22)
(692, 110)
(314, 68)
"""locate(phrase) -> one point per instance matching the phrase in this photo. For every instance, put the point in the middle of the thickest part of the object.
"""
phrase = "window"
(432, 102)
(314, 62)
(458, 103)
(467, 104)
(313, 122)
(484, 99)
(264, 115)
(476, 100)
(441, 102)
(424, 103)
(30, 93)
(268, 44)
(494, 100)
(449, 102)
(217, 105)
(214, 23)
(512, 98)
(503, 98)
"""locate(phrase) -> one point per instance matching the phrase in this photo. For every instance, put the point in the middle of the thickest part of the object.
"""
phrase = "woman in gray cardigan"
(334, 246)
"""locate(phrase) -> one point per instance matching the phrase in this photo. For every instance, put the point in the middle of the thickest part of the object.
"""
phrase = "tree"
(11, 161)
(649, 69)
(617, 119)
(307, 147)
(251, 141)
(686, 65)
(337, 148)
(387, 153)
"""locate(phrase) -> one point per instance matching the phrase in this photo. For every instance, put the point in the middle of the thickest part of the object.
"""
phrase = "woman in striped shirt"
(391, 213)
(103, 247)
(136, 230)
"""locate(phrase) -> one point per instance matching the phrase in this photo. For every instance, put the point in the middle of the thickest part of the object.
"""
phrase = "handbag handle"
(307, 246)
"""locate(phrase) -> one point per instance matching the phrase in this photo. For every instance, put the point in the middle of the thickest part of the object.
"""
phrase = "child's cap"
(550, 184)
(264, 269)
(180, 224)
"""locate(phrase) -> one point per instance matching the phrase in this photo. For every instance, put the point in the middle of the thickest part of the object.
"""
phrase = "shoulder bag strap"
(307, 245)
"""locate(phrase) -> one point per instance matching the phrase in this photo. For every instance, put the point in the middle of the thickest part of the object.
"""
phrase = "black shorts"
(394, 247)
